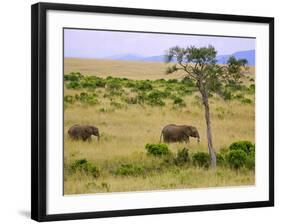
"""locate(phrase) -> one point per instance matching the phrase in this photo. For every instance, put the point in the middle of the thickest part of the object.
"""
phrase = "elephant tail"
(161, 136)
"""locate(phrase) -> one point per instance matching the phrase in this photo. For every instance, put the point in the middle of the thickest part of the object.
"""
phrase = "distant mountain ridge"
(222, 59)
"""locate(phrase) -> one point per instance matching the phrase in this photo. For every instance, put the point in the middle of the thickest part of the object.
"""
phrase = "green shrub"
(201, 159)
(182, 157)
(246, 101)
(154, 98)
(157, 149)
(73, 76)
(179, 101)
(141, 97)
(188, 82)
(250, 161)
(72, 85)
(92, 82)
(143, 85)
(184, 90)
(69, 99)
(83, 165)
(87, 98)
(130, 170)
(100, 82)
(221, 161)
(239, 96)
(237, 158)
(252, 88)
(172, 81)
(245, 146)
(227, 95)
(130, 84)
(113, 85)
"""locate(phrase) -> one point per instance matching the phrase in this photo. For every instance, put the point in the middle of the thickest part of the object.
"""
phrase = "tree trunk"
(209, 130)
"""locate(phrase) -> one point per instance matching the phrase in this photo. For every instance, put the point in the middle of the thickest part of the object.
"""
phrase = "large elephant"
(83, 132)
(179, 133)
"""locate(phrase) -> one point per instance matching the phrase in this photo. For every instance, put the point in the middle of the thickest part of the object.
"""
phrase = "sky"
(104, 44)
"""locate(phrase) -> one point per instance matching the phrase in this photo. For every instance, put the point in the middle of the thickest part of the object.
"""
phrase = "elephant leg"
(89, 139)
(84, 138)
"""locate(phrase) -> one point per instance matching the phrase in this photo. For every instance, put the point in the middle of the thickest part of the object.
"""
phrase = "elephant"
(179, 133)
(83, 132)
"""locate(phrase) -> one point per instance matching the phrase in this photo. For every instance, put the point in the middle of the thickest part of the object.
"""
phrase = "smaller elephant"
(179, 133)
(84, 132)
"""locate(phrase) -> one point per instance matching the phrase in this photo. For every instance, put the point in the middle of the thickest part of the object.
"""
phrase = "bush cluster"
(85, 98)
(242, 154)
(157, 149)
(238, 155)
(83, 165)
(130, 170)
(182, 157)
(145, 90)
(201, 159)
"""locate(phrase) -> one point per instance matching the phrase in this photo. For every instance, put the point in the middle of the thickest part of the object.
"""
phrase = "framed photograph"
(140, 111)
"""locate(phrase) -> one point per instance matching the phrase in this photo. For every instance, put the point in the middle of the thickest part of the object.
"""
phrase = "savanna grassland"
(130, 103)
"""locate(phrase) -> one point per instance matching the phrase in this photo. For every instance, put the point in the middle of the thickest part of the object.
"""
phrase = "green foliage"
(72, 85)
(221, 160)
(252, 88)
(143, 85)
(92, 82)
(237, 158)
(245, 146)
(227, 95)
(83, 165)
(250, 161)
(239, 96)
(201, 159)
(130, 170)
(73, 76)
(200, 66)
(113, 85)
(69, 99)
(187, 81)
(157, 149)
(172, 81)
(242, 154)
(182, 157)
(246, 101)
(178, 101)
(154, 98)
(87, 98)
(184, 90)
(234, 68)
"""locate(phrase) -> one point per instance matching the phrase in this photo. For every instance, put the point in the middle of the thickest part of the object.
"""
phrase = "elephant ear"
(88, 130)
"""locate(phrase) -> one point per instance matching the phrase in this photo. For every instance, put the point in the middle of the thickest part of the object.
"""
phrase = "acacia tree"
(200, 65)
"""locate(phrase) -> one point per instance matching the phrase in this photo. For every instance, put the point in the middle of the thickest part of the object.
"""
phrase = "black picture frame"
(38, 110)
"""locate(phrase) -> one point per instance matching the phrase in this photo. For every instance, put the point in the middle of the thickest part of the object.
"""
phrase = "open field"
(127, 69)
(126, 128)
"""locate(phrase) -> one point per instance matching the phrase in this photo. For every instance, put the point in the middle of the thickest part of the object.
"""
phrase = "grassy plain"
(126, 130)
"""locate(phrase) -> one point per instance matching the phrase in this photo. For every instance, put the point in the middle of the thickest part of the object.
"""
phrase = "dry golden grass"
(127, 69)
(125, 131)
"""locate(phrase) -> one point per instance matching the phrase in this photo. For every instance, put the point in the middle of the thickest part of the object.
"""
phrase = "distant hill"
(249, 55)
(222, 59)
